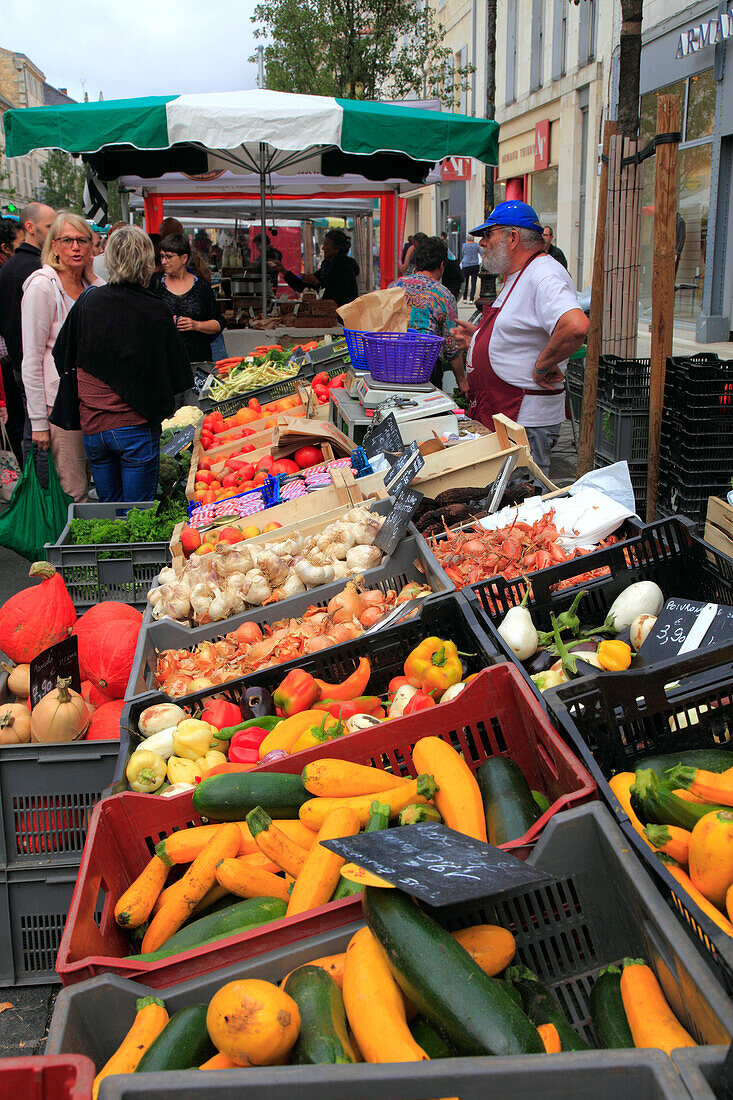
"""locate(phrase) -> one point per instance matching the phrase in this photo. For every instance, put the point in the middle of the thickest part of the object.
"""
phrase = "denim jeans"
(125, 462)
(541, 442)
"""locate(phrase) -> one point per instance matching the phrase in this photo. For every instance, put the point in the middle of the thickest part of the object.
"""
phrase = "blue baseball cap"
(520, 215)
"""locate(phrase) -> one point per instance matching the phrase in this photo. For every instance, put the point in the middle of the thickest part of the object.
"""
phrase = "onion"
(346, 605)
(247, 634)
(412, 591)
(370, 616)
(372, 597)
(346, 632)
(276, 754)
(315, 645)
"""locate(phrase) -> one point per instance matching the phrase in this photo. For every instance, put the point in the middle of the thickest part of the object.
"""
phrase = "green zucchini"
(183, 1043)
(542, 801)
(235, 919)
(711, 760)
(323, 1037)
(655, 804)
(607, 1011)
(414, 814)
(511, 990)
(378, 820)
(429, 1038)
(508, 803)
(470, 1010)
(542, 1008)
(231, 797)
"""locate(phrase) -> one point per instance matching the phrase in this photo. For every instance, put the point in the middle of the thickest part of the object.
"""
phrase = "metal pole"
(260, 66)
(263, 226)
(125, 205)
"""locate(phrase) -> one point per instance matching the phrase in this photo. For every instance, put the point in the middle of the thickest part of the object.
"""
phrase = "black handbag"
(65, 411)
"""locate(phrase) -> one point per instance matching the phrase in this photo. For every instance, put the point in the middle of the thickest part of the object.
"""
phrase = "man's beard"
(496, 258)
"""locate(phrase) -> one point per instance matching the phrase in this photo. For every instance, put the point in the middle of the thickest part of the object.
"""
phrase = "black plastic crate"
(613, 720)
(666, 552)
(678, 497)
(621, 434)
(710, 459)
(450, 617)
(274, 392)
(624, 383)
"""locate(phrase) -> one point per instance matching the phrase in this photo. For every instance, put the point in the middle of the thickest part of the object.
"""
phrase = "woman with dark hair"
(189, 298)
(336, 276)
(11, 235)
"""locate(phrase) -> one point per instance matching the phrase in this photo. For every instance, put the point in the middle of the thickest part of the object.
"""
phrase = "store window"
(694, 167)
(544, 198)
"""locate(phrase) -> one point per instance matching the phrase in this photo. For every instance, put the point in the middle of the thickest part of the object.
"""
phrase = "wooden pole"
(665, 212)
(586, 449)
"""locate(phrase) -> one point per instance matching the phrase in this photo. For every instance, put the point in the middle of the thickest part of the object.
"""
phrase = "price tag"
(60, 660)
(407, 466)
(684, 626)
(384, 436)
(393, 529)
(437, 864)
(180, 441)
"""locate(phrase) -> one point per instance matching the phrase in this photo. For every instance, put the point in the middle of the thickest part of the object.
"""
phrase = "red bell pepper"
(394, 685)
(365, 704)
(219, 713)
(244, 746)
(338, 382)
(420, 701)
(298, 692)
(320, 379)
(351, 687)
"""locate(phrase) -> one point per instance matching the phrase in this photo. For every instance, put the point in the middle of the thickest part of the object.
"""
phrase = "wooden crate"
(719, 526)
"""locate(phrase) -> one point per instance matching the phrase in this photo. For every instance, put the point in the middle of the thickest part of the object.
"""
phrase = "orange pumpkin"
(36, 617)
(109, 656)
(253, 1022)
(104, 724)
(91, 622)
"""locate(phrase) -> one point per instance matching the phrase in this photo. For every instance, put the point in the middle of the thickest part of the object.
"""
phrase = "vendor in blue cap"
(518, 354)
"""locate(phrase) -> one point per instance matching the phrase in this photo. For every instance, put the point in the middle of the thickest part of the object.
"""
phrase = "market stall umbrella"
(261, 130)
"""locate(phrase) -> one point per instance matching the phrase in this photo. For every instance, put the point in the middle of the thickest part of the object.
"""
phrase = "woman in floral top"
(432, 306)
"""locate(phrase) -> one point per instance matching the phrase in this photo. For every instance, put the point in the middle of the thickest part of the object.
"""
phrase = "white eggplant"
(519, 632)
(452, 692)
(361, 722)
(640, 598)
(177, 788)
(640, 630)
(160, 742)
(549, 679)
(159, 717)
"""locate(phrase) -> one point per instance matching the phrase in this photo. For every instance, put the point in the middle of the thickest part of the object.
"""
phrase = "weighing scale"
(407, 402)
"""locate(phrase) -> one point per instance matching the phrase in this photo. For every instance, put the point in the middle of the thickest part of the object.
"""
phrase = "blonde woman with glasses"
(48, 295)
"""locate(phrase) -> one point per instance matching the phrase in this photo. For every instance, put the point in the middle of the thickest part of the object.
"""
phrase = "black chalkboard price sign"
(407, 466)
(683, 627)
(60, 660)
(180, 441)
(437, 864)
(397, 522)
(382, 437)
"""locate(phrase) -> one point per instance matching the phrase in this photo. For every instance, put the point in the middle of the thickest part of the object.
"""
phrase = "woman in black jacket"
(130, 364)
(336, 276)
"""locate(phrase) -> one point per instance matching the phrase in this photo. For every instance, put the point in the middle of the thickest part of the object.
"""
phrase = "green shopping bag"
(35, 515)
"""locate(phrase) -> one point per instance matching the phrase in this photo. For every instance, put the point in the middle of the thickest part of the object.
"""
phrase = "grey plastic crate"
(621, 435)
(412, 561)
(699, 1068)
(110, 571)
(600, 907)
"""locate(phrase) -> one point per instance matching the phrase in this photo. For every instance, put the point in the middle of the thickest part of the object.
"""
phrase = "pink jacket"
(43, 310)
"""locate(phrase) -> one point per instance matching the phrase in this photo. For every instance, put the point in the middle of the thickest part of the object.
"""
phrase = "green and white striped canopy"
(230, 128)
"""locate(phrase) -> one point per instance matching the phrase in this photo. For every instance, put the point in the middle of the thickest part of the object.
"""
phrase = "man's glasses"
(487, 235)
(83, 242)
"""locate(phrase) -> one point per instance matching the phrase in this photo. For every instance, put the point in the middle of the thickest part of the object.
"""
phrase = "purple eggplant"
(540, 661)
(256, 703)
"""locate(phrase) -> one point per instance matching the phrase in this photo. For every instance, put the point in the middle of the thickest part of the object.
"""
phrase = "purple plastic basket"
(406, 358)
(355, 344)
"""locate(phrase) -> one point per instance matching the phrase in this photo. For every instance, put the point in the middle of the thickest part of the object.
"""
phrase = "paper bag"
(380, 311)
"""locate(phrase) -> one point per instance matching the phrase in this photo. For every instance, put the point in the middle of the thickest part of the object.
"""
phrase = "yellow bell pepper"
(183, 771)
(287, 732)
(193, 738)
(434, 666)
(212, 759)
(325, 729)
(145, 771)
(613, 655)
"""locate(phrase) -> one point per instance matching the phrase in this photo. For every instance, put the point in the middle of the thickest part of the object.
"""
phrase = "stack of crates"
(696, 455)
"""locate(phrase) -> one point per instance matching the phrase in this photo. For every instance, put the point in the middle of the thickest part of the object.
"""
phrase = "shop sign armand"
(705, 34)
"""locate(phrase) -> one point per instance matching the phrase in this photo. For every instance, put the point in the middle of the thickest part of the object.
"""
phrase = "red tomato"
(323, 399)
(320, 379)
(247, 449)
(204, 464)
(232, 481)
(241, 466)
(205, 476)
(247, 431)
(254, 405)
(265, 463)
(284, 466)
(308, 456)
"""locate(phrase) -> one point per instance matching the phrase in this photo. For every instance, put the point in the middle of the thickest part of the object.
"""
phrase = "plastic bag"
(35, 515)
(9, 468)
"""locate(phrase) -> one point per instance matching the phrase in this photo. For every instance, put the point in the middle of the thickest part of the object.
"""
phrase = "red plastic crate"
(49, 1077)
(495, 715)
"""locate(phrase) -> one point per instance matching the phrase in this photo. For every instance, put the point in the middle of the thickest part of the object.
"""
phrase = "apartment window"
(460, 97)
(536, 60)
(587, 32)
(511, 49)
(559, 38)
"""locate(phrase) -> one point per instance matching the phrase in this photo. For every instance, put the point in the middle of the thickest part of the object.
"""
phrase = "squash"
(458, 797)
(329, 778)
(15, 724)
(274, 843)
(711, 855)
(110, 655)
(550, 1038)
(489, 945)
(240, 877)
(322, 868)
(104, 725)
(136, 904)
(652, 1022)
(253, 1022)
(680, 876)
(150, 1019)
(36, 617)
(62, 715)
(89, 624)
(19, 681)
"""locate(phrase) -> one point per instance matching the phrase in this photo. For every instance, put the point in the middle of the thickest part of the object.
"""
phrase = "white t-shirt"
(521, 332)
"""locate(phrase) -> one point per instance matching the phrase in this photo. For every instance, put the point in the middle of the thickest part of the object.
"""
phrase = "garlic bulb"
(312, 575)
(256, 589)
(363, 557)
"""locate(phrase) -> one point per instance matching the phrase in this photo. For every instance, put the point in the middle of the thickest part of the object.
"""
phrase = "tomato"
(254, 405)
(247, 431)
(209, 497)
(232, 481)
(308, 456)
(241, 466)
(322, 398)
(265, 463)
(259, 479)
(320, 379)
(247, 449)
(284, 466)
(204, 464)
(338, 382)
(320, 389)
(205, 475)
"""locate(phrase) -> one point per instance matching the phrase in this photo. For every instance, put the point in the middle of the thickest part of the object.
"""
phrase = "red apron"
(487, 393)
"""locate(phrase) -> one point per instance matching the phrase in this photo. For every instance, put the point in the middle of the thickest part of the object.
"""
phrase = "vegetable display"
(216, 586)
(138, 525)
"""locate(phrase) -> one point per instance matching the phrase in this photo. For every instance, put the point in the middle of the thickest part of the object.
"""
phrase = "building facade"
(22, 84)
